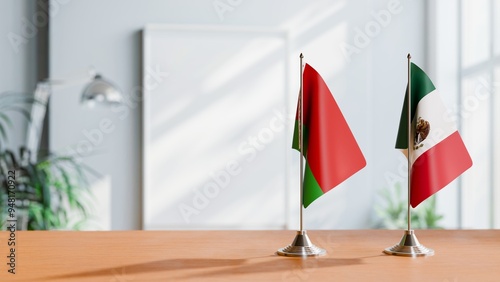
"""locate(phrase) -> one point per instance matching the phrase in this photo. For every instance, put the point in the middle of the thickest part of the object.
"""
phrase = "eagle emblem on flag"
(422, 129)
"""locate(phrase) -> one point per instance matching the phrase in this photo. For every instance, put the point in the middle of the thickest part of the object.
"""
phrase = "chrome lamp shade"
(102, 91)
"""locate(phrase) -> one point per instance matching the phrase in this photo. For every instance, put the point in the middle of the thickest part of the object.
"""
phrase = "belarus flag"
(437, 153)
(331, 151)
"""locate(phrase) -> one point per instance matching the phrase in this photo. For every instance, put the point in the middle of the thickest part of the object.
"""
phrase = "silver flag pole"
(301, 245)
(409, 245)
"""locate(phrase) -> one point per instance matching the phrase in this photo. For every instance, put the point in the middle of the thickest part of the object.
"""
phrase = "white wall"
(368, 86)
(18, 57)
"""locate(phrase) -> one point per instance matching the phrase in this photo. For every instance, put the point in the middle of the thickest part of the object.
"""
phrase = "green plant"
(393, 212)
(53, 191)
(48, 189)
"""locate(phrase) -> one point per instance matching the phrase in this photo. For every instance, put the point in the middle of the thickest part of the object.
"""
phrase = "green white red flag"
(331, 152)
(437, 154)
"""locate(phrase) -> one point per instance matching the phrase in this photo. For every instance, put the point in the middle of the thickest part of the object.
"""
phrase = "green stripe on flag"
(421, 85)
(312, 191)
(305, 132)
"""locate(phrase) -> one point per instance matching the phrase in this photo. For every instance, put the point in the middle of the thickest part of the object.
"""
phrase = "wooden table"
(461, 255)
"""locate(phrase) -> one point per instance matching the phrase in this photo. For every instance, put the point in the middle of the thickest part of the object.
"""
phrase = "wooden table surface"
(461, 255)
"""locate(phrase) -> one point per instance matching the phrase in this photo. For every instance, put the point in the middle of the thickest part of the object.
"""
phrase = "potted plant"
(49, 193)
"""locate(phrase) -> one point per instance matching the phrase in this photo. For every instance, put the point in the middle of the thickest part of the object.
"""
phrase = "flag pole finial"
(409, 56)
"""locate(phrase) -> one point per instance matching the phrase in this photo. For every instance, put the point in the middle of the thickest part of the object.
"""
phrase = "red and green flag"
(331, 152)
(437, 154)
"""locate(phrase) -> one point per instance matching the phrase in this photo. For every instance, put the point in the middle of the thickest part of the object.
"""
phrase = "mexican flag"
(330, 149)
(437, 154)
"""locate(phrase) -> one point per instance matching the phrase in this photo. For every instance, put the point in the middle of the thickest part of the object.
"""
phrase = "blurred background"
(201, 138)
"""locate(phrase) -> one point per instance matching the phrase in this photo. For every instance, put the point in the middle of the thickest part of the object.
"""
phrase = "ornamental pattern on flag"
(331, 152)
(437, 153)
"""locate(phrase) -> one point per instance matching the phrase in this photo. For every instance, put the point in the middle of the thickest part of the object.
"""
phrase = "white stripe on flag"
(431, 109)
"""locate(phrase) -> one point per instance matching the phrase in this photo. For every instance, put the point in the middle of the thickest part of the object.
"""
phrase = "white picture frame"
(208, 92)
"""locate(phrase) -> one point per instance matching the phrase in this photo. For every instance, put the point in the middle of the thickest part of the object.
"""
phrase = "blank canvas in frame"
(215, 137)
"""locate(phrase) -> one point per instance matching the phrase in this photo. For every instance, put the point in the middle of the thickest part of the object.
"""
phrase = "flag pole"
(301, 245)
(409, 246)
(409, 139)
(301, 141)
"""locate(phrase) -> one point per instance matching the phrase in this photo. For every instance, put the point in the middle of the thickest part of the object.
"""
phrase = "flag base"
(301, 247)
(409, 247)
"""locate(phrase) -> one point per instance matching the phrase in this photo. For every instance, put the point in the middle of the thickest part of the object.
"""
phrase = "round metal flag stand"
(301, 247)
(409, 247)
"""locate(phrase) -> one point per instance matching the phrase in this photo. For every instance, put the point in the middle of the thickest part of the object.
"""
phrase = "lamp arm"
(39, 109)
(98, 88)
(37, 117)
(91, 73)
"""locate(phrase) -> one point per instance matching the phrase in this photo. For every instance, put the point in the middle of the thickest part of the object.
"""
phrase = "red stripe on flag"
(333, 154)
(437, 167)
